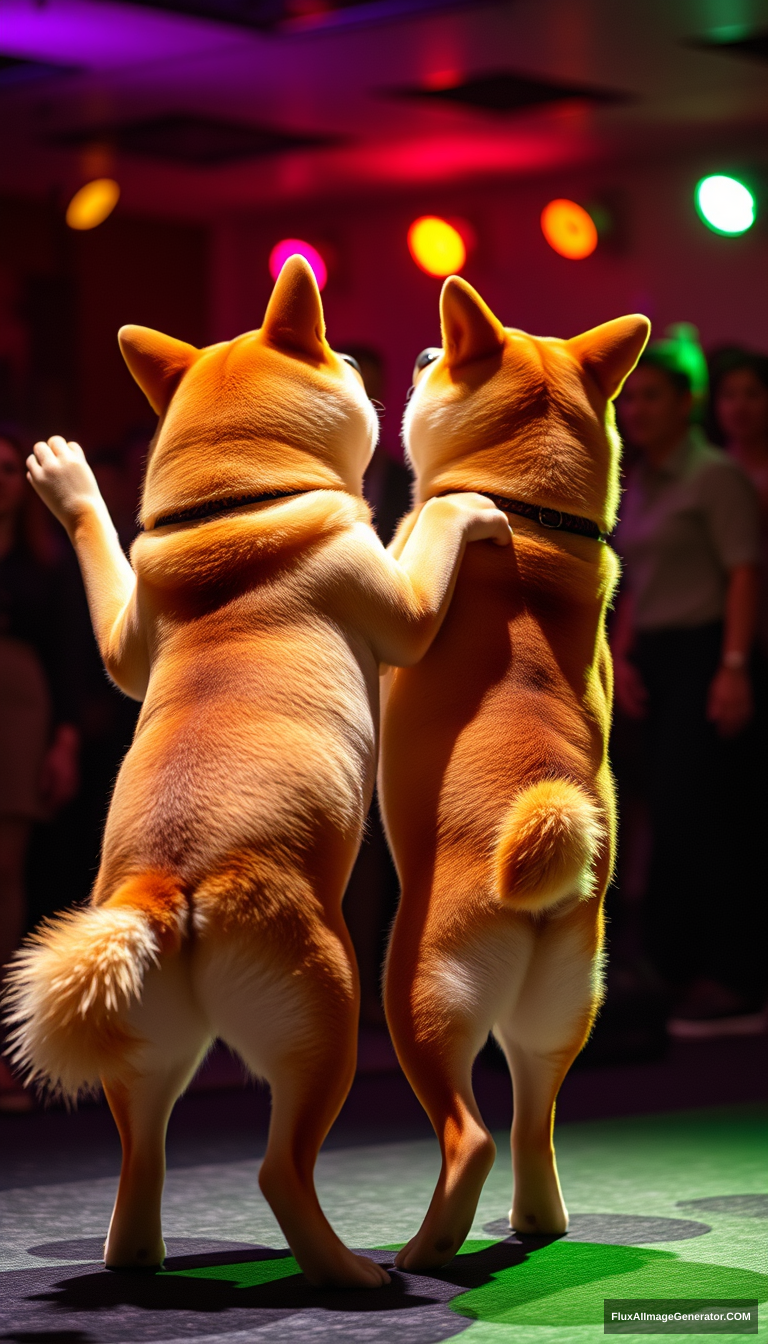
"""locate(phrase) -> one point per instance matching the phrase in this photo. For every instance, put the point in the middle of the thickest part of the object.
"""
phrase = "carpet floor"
(670, 1205)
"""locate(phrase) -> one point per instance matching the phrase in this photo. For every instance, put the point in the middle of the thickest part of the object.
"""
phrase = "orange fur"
(495, 783)
(254, 639)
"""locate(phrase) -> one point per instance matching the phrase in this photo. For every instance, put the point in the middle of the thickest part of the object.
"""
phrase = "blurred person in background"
(39, 737)
(739, 380)
(682, 640)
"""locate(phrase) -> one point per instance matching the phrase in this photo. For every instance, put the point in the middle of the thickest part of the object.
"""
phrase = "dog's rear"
(495, 781)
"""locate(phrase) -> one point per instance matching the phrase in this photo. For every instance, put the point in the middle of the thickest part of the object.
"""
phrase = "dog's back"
(257, 727)
(495, 781)
(512, 697)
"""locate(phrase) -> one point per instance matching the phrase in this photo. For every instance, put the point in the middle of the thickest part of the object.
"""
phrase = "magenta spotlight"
(288, 247)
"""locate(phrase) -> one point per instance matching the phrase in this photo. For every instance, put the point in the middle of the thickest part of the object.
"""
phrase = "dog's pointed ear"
(610, 352)
(294, 319)
(470, 329)
(157, 362)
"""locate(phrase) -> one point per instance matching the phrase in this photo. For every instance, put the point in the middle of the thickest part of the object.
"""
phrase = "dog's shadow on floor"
(257, 1277)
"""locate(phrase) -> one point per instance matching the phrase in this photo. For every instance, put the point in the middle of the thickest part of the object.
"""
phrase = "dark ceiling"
(206, 107)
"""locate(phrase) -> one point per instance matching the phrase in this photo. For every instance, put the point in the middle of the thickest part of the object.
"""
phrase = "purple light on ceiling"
(76, 33)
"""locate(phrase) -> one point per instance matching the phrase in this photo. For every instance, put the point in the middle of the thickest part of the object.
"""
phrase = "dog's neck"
(229, 547)
(212, 508)
(552, 520)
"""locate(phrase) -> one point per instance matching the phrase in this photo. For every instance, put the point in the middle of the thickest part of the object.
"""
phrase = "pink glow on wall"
(451, 157)
(442, 79)
(289, 247)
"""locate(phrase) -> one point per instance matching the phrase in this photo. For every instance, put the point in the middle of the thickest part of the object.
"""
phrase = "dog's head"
(525, 416)
(273, 410)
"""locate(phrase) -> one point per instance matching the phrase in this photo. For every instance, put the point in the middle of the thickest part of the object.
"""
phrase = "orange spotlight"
(568, 229)
(436, 246)
(93, 203)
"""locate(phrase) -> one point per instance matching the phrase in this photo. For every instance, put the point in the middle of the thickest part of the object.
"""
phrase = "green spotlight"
(725, 204)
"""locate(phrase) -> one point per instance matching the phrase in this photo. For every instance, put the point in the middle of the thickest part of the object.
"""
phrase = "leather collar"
(554, 519)
(213, 507)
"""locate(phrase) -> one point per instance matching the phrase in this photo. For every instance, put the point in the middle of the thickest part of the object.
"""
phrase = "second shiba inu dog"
(252, 624)
(495, 784)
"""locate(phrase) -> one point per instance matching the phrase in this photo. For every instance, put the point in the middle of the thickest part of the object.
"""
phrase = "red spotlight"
(289, 247)
(568, 229)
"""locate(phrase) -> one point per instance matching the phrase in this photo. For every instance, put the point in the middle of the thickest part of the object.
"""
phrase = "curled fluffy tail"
(70, 985)
(547, 847)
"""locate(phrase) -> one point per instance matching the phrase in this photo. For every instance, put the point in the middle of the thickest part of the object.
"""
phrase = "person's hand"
(629, 691)
(482, 520)
(729, 704)
(60, 771)
(63, 480)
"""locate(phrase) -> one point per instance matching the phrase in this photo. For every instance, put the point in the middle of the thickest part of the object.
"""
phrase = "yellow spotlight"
(436, 246)
(93, 203)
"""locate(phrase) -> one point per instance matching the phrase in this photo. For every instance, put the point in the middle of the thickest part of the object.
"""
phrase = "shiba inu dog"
(252, 622)
(496, 790)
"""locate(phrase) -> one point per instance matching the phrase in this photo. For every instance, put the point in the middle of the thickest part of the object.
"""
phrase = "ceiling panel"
(302, 15)
(510, 91)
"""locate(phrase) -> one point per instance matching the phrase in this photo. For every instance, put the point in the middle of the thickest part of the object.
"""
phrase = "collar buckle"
(551, 518)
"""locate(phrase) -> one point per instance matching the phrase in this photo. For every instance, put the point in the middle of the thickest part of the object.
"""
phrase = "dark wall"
(63, 297)
(129, 270)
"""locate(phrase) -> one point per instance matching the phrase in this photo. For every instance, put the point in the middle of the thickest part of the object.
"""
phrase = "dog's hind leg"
(103, 993)
(171, 1038)
(289, 1008)
(439, 1014)
(541, 1036)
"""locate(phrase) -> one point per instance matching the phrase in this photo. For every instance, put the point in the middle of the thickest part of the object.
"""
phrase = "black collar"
(550, 518)
(213, 507)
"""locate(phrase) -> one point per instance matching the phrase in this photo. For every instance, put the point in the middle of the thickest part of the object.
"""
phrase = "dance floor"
(662, 1206)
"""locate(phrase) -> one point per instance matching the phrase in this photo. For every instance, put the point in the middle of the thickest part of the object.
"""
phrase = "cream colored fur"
(548, 844)
(68, 992)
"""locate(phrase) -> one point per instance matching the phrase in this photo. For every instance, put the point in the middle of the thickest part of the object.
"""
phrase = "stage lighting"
(289, 247)
(725, 204)
(93, 203)
(436, 246)
(569, 229)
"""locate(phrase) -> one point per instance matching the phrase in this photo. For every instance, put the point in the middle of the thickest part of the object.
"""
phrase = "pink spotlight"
(288, 247)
